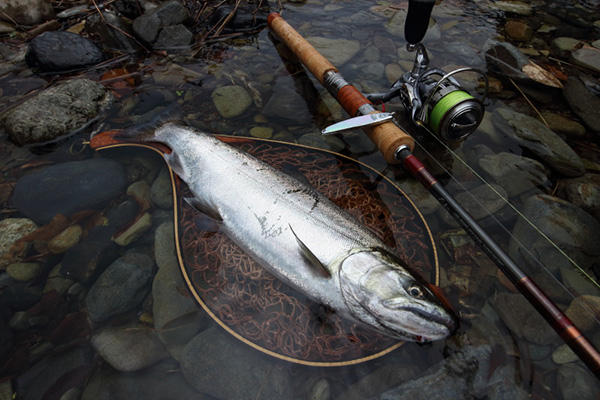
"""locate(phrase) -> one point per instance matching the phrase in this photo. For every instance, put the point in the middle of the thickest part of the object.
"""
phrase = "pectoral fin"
(311, 257)
(174, 162)
(203, 208)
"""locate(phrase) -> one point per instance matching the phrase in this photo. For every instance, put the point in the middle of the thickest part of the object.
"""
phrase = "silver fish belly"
(302, 238)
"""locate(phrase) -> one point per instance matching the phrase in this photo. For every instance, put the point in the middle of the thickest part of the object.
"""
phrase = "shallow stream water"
(162, 344)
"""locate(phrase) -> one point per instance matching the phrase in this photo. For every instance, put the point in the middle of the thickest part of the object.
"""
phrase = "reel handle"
(388, 137)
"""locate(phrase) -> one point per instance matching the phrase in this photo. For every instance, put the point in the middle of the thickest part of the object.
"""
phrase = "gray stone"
(157, 383)
(22, 320)
(584, 192)
(522, 319)
(501, 385)
(576, 383)
(26, 12)
(515, 7)
(331, 143)
(564, 355)
(515, 174)
(563, 46)
(129, 348)
(161, 191)
(587, 57)
(56, 111)
(24, 272)
(121, 287)
(481, 202)
(68, 188)
(395, 26)
(286, 104)
(172, 13)
(137, 229)
(584, 103)
(337, 51)
(57, 282)
(379, 381)
(114, 32)
(506, 58)
(58, 51)
(540, 140)
(210, 360)
(146, 27)
(573, 230)
(563, 125)
(164, 246)
(173, 36)
(11, 231)
(231, 101)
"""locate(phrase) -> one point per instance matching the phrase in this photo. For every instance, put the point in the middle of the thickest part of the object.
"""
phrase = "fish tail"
(147, 131)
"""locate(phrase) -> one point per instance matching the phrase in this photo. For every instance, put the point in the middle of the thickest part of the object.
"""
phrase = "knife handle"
(388, 137)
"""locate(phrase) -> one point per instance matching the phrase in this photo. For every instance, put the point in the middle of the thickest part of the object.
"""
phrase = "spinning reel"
(435, 99)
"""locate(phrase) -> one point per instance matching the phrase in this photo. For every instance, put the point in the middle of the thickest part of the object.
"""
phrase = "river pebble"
(129, 348)
(24, 272)
(210, 359)
(583, 103)
(26, 12)
(85, 261)
(161, 192)
(57, 111)
(231, 101)
(515, 174)
(515, 7)
(519, 31)
(587, 57)
(563, 125)
(573, 230)
(168, 17)
(66, 239)
(576, 383)
(137, 229)
(582, 311)
(11, 231)
(540, 140)
(62, 51)
(68, 188)
(121, 287)
(113, 31)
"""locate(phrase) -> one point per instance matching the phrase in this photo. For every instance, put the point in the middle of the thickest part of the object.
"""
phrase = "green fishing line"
(444, 105)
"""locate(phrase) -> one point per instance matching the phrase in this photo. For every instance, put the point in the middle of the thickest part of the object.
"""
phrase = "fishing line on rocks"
(506, 201)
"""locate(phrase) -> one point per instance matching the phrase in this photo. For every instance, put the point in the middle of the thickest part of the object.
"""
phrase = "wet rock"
(59, 51)
(337, 51)
(286, 104)
(114, 32)
(518, 31)
(576, 383)
(585, 104)
(210, 360)
(173, 36)
(395, 26)
(587, 57)
(582, 311)
(455, 374)
(564, 355)
(506, 59)
(161, 191)
(129, 348)
(322, 142)
(121, 287)
(20, 296)
(85, 261)
(56, 111)
(481, 202)
(540, 140)
(122, 214)
(584, 192)
(263, 132)
(515, 7)
(11, 231)
(57, 282)
(522, 319)
(515, 174)
(175, 313)
(379, 381)
(463, 52)
(562, 125)
(246, 18)
(26, 12)
(564, 46)
(231, 101)
(42, 380)
(22, 320)
(140, 191)
(573, 230)
(24, 272)
(169, 16)
(501, 385)
(68, 188)
(137, 229)
(158, 383)
(66, 239)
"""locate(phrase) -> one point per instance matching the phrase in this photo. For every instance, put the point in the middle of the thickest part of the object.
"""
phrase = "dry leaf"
(540, 75)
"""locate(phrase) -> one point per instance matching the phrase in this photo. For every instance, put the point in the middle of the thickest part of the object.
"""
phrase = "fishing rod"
(396, 146)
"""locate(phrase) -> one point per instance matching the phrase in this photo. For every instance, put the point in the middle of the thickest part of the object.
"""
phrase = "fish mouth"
(448, 322)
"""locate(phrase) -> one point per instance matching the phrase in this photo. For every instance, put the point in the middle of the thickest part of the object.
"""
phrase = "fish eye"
(415, 291)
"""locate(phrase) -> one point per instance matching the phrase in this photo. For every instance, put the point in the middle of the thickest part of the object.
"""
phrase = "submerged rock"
(68, 188)
(210, 360)
(169, 17)
(585, 104)
(231, 101)
(129, 348)
(58, 51)
(114, 32)
(576, 383)
(122, 287)
(11, 231)
(56, 111)
(540, 140)
(573, 230)
(26, 12)
(515, 174)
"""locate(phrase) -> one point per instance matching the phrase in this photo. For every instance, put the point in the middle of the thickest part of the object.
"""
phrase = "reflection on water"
(93, 302)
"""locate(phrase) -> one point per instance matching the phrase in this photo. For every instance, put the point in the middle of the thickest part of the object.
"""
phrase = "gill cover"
(380, 292)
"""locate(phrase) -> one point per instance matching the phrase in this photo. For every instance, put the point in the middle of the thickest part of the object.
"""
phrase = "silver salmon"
(302, 238)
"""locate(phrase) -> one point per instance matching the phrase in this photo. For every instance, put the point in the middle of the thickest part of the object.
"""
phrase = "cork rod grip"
(388, 137)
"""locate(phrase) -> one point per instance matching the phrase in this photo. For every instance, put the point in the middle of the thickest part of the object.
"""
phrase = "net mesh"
(254, 304)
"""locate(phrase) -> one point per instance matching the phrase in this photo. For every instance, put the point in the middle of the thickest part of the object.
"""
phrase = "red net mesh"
(252, 303)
